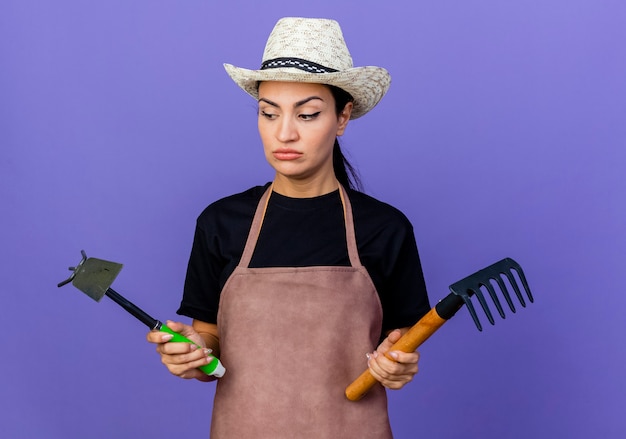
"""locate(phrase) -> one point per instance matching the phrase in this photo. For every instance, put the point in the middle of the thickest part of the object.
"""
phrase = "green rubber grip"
(208, 368)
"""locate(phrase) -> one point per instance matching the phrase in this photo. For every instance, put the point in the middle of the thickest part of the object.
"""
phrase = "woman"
(292, 283)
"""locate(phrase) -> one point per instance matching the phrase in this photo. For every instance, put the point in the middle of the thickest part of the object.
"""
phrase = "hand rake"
(461, 292)
(94, 277)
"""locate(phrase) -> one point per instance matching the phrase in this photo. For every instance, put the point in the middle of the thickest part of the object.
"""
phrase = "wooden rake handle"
(410, 341)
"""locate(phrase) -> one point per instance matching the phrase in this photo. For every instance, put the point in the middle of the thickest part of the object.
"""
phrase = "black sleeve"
(403, 296)
(202, 290)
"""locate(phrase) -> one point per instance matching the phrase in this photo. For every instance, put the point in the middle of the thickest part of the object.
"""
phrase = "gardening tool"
(94, 277)
(461, 292)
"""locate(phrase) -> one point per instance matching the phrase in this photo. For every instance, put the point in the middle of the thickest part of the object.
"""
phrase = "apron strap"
(255, 228)
(259, 216)
(353, 252)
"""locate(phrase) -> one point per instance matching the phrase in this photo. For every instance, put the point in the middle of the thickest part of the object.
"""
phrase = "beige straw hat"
(313, 50)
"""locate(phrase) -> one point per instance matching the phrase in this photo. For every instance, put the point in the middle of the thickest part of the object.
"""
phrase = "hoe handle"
(214, 367)
(410, 341)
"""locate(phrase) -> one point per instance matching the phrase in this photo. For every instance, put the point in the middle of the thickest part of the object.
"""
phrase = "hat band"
(298, 63)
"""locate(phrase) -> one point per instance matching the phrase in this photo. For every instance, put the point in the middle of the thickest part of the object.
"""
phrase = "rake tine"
(483, 303)
(496, 301)
(472, 311)
(520, 273)
(505, 293)
(518, 293)
(522, 278)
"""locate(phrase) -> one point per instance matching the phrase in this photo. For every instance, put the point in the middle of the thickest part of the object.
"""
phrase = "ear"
(344, 118)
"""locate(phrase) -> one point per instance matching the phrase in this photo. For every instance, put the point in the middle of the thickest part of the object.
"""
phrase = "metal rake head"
(484, 280)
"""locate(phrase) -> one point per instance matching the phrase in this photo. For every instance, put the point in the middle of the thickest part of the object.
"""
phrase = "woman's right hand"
(182, 359)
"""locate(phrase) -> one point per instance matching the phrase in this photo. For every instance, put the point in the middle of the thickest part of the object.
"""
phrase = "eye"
(309, 116)
(269, 116)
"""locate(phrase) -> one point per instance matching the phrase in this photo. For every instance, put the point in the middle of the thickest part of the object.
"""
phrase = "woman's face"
(298, 124)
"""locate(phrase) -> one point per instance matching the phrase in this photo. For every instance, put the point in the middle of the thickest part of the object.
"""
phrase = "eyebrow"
(296, 105)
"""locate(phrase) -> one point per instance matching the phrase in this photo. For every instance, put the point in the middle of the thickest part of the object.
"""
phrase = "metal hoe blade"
(93, 276)
(485, 280)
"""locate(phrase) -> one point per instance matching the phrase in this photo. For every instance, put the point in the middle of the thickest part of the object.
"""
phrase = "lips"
(286, 154)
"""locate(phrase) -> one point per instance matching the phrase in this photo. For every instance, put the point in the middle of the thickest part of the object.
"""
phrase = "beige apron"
(291, 340)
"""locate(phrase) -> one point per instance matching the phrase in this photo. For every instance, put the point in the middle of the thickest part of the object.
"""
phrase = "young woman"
(300, 284)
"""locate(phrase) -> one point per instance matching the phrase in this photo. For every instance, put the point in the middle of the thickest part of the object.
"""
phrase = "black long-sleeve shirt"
(300, 232)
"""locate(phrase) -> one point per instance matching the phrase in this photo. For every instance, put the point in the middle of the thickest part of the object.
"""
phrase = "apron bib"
(291, 340)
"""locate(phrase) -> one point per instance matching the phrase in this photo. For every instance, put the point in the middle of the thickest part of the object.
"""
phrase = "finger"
(192, 358)
(394, 335)
(389, 368)
(184, 365)
(175, 326)
(403, 357)
(181, 328)
(156, 336)
(391, 381)
(186, 331)
(185, 361)
(397, 384)
(389, 341)
(390, 373)
(178, 348)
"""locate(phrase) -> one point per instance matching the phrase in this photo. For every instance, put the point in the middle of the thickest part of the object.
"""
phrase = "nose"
(286, 130)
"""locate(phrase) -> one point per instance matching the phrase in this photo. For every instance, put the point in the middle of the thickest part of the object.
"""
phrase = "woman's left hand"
(393, 374)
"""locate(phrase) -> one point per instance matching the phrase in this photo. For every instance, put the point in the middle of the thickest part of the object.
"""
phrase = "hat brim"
(367, 85)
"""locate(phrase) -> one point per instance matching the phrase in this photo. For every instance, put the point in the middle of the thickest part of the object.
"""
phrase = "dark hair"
(345, 173)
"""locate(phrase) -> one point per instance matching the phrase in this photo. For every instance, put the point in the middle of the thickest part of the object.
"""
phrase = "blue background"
(503, 134)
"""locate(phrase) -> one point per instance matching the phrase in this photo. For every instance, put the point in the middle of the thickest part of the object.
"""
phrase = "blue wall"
(503, 134)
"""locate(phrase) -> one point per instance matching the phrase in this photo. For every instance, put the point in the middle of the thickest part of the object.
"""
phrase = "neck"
(303, 188)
